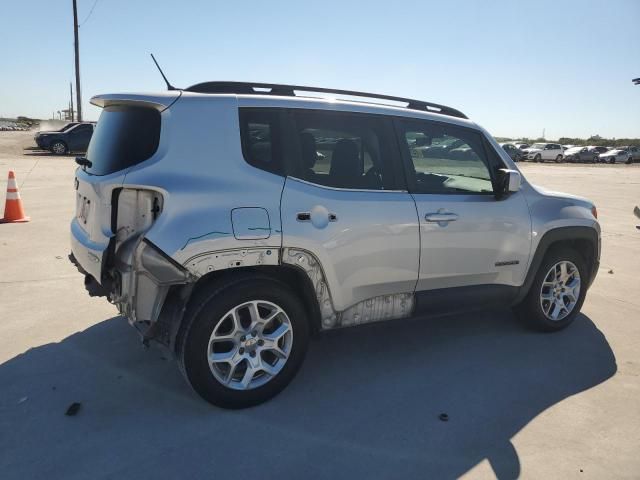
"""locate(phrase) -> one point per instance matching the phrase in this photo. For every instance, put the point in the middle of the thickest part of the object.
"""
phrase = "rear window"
(124, 136)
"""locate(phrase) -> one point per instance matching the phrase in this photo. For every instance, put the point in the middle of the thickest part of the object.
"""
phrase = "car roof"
(164, 100)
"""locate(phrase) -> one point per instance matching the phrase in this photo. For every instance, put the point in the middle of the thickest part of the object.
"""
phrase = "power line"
(88, 16)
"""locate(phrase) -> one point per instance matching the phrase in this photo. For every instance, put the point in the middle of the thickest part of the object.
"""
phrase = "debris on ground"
(444, 417)
(611, 271)
(73, 409)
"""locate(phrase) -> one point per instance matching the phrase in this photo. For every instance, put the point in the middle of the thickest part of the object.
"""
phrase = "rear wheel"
(559, 159)
(612, 160)
(244, 342)
(59, 147)
(557, 292)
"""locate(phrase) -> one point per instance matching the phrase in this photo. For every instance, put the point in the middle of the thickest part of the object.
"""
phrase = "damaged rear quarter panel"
(198, 201)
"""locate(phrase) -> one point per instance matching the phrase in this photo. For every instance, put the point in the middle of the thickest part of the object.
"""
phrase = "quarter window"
(344, 150)
(446, 159)
(260, 134)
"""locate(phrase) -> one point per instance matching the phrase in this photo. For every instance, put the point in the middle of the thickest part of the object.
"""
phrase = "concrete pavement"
(367, 400)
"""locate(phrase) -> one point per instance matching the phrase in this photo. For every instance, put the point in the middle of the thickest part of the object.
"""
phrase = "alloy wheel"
(250, 345)
(59, 148)
(560, 290)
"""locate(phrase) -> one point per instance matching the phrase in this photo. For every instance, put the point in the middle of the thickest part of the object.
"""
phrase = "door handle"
(441, 217)
(306, 217)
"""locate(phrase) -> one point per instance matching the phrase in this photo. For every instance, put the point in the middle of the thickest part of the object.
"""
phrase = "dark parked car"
(580, 155)
(514, 152)
(71, 139)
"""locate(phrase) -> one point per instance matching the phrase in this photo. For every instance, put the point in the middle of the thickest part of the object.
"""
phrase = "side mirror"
(509, 182)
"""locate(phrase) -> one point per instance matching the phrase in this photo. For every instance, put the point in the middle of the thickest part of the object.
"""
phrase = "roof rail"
(289, 90)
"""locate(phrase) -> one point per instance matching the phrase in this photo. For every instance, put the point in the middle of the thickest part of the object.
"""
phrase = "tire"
(612, 160)
(537, 158)
(211, 318)
(629, 161)
(595, 160)
(58, 147)
(532, 308)
(559, 159)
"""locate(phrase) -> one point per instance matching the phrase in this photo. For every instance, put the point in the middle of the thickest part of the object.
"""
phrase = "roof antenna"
(169, 86)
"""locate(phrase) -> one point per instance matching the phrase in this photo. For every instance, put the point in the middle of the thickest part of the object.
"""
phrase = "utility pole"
(71, 101)
(77, 52)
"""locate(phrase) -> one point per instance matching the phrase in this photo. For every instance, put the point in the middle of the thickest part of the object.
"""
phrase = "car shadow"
(367, 402)
(39, 152)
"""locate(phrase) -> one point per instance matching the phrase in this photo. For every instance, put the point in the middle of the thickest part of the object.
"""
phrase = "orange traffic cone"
(13, 209)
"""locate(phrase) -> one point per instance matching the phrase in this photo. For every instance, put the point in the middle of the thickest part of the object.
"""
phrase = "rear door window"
(345, 150)
(124, 137)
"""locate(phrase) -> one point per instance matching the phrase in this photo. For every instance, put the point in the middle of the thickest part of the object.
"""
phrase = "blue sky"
(514, 67)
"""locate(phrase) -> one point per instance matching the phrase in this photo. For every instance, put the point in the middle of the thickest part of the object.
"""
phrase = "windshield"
(68, 126)
(124, 136)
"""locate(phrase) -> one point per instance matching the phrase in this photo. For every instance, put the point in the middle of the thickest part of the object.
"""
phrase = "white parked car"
(616, 156)
(540, 152)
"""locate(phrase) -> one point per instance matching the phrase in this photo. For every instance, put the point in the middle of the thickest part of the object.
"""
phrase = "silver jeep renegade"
(231, 221)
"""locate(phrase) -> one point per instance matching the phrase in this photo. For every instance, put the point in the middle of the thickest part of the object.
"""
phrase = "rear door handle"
(441, 217)
(306, 216)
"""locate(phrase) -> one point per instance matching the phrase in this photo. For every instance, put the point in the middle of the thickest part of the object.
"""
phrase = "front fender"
(590, 234)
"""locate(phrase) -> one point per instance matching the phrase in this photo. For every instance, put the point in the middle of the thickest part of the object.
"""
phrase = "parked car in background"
(598, 149)
(580, 155)
(633, 151)
(514, 152)
(70, 139)
(616, 155)
(541, 152)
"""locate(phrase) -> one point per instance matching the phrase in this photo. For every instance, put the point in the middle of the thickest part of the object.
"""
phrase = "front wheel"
(244, 342)
(557, 292)
(537, 158)
(59, 147)
(559, 159)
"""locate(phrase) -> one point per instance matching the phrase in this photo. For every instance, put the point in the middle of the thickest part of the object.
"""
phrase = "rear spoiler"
(159, 101)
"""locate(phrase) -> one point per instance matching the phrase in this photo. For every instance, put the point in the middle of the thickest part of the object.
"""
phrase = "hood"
(532, 150)
(575, 198)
